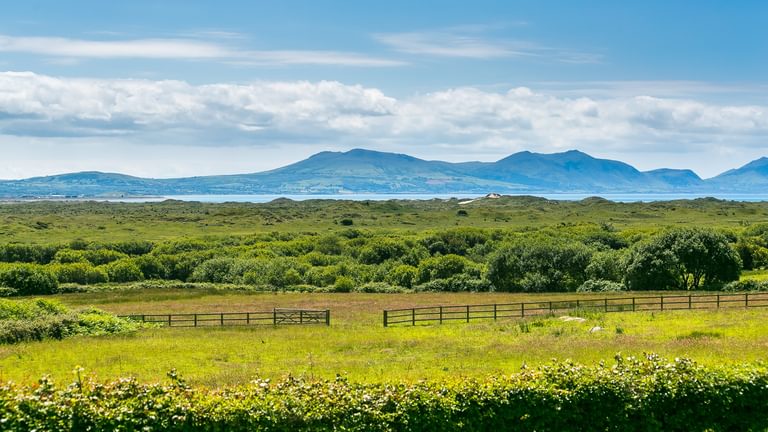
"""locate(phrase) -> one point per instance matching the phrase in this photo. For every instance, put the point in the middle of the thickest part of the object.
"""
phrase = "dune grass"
(357, 346)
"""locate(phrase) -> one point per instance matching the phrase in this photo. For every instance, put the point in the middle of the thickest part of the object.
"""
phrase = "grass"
(758, 275)
(359, 347)
(47, 222)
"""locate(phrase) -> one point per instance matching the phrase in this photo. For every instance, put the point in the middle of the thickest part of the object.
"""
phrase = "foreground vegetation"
(649, 394)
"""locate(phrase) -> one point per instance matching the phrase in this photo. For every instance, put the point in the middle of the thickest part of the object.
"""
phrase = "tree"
(539, 265)
(686, 258)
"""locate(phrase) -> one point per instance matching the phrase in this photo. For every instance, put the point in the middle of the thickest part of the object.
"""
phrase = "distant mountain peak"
(370, 171)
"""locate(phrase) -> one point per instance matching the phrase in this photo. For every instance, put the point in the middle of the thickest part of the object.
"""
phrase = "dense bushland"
(34, 320)
(590, 257)
(649, 394)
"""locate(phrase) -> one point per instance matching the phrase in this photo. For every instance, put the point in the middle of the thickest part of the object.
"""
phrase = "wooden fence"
(441, 314)
(273, 317)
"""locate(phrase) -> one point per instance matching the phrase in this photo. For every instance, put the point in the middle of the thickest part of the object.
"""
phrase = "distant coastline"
(263, 198)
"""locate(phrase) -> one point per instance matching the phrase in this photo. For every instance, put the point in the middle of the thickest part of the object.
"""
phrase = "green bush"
(746, 285)
(103, 256)
(68, 256)
(601, 285)
(28, 279)
(124, 270)
(446, 266)
(217, 270)
(403, 275)
(27, 253)
(648, 394)
(539, 265)
(79, 272)
(456, 283)
(344, 284)
(35, 320)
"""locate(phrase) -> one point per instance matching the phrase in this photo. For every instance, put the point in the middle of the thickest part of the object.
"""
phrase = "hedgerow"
(648, 394)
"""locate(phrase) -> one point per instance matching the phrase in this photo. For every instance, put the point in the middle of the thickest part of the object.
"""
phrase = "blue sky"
(174, 88)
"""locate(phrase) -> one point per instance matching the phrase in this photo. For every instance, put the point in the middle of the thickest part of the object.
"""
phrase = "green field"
(357, 346)
(333, 246)
(47, 222)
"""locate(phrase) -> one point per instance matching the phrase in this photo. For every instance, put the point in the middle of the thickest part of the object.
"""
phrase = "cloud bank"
(458, 123)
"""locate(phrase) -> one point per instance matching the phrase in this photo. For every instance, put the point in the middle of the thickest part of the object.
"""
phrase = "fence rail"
(467, 313)
(209, 319)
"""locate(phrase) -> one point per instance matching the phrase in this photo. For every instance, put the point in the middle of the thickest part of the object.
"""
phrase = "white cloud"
(472, 43)
(459, 124)
(181, 49)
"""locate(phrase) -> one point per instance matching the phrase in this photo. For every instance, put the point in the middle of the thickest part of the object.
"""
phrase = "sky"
(183, 88)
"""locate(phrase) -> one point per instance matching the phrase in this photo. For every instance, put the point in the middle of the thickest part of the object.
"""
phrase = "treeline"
(648, 394)
(578, 258)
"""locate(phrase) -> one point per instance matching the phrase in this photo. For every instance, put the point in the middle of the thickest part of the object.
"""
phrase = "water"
(627, 197)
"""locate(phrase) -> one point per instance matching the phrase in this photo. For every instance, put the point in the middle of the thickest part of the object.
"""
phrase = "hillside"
(366, 171)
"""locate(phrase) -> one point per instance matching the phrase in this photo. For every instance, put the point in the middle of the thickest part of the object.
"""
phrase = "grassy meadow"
(358, 347)
(47, 222)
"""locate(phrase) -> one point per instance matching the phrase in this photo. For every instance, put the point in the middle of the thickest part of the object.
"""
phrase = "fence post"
(195, 317)
(328, 317)
(662, 302)
(221, 319)
(494, 311)
(746, 300)
(247, 318)
(385, 318)
(550, 308)
(274, 316)
(467, 313)
(605, 303)
(718, 301)
(577, 304)
(143, 319)
(522, 310)
(689, 302)
(169, 320)
(301, 317)
(413, 316)
(633, 304)
(441, 314)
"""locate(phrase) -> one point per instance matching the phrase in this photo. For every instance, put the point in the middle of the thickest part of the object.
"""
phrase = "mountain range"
(367, 171)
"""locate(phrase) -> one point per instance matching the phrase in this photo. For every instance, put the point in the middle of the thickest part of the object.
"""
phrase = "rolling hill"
(367, 171)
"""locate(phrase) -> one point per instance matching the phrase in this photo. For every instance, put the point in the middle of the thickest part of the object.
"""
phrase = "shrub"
(68, 256)
(344, 284)
(403, 275)
(456, 283)
(28, 279)
(746, 285)
(103, 256)
(648, 394)
(539, 265)
(215, 270)
(124, 270)
(442, 267)
(35, 320)
(601, 285)
(27, 253)
(377, 287)
(381, 249)
(80, 272)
